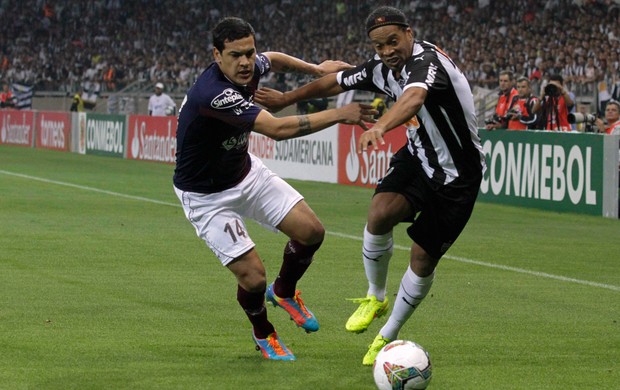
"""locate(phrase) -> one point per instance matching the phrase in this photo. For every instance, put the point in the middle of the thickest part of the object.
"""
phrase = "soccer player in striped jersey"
(432, 181)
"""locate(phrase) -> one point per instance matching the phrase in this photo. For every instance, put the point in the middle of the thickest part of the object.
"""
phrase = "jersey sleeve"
(425, 71)
(262, 64)
(359, 78)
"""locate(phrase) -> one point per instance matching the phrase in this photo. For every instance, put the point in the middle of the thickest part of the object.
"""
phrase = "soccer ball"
(402, 365)
(170, 110)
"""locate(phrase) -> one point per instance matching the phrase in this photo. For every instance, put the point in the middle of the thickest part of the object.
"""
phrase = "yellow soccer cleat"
(369, 309)
(373, 350)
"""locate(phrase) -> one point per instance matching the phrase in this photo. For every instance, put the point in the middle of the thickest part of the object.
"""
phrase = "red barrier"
(365, 169)
(53, 131)
(17, 127)
(152, 138)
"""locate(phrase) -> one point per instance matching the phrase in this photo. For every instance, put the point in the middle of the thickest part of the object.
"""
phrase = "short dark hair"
(230, 29)
(384, 16)
(557, 77)
(522, 79)
(613, 102)
(507, 73)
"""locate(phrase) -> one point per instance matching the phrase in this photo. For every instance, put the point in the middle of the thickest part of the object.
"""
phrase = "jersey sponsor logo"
(236, 142)
(242, 107)
(430, 76)
(354, 78)
(227, 99)
(419, 58)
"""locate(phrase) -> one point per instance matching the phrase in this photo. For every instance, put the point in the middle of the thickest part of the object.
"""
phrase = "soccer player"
(432, 181)
(220, 184)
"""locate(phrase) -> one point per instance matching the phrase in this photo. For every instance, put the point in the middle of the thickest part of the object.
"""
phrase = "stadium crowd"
(57, 45)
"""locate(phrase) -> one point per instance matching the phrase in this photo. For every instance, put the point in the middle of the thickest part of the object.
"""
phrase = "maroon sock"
(296, 260)
(253, 303)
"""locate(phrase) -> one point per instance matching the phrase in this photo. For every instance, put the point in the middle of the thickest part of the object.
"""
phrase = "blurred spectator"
(77, 105)
(312, 105)
(7, 100)
(611, 125)
(507, 93)
(90, 93)
(379, 104)
(533, 73)
(556, 103)
(57, 44)
(160, 104)
(523, 107)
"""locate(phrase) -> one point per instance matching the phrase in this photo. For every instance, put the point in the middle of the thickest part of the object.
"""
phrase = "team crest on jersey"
(227, 99)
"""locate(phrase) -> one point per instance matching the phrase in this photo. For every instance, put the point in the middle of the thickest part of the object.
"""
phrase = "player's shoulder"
(263, 63)
(210, 84)
(213, 91)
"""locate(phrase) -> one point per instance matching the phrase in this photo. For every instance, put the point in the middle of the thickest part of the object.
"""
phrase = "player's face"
(393, 45)
(523, 88)
(237, 60)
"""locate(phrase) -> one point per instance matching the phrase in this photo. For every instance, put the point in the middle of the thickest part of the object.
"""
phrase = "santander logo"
(352, 161)
(367, 168)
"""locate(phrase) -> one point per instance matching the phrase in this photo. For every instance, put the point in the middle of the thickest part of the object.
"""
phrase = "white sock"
(412, 291)
(377, 252)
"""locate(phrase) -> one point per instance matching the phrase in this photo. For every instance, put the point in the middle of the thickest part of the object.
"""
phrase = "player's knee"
(254, 283)
(312, 233)
(316, 234)
(252, 279)
(422, 264)
(381, 220)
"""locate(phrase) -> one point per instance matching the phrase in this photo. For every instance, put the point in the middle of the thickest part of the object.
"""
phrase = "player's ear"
(217, 55)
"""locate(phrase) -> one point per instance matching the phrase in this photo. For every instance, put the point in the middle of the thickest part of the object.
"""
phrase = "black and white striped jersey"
(443, 136)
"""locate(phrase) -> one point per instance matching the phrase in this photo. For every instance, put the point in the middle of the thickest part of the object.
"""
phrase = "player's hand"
(331, 66)
(358, 114)
(373, 136)
(272, 99)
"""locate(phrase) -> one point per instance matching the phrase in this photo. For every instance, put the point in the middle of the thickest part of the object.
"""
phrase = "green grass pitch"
(104, 285)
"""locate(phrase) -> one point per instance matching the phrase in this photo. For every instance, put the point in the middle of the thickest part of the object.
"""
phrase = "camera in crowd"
(552, 90)
(495, 119)
(587, 119)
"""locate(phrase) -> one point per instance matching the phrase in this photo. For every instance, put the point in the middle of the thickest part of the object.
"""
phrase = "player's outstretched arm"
(275, 100)
(297, 126)
(284, 63)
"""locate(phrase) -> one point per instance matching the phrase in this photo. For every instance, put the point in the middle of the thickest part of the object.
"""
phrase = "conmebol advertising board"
(552, 170)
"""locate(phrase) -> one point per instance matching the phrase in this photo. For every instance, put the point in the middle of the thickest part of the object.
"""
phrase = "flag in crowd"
(23, 95)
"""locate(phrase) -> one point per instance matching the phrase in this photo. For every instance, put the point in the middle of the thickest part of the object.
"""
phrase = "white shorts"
(219, 217)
